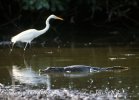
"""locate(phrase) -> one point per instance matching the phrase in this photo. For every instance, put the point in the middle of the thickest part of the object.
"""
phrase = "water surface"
(19, 67)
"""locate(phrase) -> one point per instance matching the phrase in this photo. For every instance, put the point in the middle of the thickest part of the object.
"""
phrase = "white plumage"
(28, 35)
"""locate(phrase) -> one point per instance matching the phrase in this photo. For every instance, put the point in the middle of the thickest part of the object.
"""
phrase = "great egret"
(28, 35)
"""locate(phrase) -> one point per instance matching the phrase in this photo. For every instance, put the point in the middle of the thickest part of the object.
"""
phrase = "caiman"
(82, 68)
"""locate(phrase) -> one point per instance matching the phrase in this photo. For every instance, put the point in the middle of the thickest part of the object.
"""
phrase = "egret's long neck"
(46, 27)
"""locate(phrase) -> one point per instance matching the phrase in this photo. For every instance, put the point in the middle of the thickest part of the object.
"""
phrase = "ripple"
(129, 54)
(117, 58)
(19, 93)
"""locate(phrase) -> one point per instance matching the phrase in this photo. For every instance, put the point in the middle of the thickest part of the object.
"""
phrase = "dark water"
(19, 67)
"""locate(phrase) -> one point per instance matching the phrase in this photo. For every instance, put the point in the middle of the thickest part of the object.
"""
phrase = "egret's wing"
(25, 36)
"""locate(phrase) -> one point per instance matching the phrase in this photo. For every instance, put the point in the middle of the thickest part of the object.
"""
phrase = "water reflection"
(76, 75)
(28, 76)
(18, 69)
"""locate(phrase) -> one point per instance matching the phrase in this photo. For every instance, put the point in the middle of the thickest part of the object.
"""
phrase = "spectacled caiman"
(82, 68)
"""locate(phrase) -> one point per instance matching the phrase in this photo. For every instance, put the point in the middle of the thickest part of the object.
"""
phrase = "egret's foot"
(11, 50)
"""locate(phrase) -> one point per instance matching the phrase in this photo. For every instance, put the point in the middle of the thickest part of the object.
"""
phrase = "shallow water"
(22, 68)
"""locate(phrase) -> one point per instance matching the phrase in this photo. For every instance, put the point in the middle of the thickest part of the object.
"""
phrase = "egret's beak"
(59, 18)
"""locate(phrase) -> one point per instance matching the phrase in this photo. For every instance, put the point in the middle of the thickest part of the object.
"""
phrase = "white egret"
(28, 35)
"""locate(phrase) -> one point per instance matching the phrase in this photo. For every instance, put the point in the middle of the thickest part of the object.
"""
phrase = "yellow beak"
(59, 18)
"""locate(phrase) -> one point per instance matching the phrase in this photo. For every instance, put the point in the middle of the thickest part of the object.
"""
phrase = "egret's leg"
(30, 45)
(12, 46)
(25, 46)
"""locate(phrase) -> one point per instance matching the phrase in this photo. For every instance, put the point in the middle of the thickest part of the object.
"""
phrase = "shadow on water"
(20, 72)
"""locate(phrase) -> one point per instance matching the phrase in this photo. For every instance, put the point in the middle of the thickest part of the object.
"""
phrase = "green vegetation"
(108, 15)
(111, 8)
(51, 5)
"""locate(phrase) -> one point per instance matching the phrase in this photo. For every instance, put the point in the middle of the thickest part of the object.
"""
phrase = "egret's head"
(55, 17)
